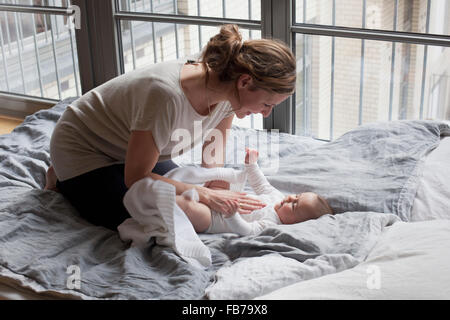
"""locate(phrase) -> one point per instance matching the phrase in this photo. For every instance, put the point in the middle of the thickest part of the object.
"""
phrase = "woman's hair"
(270, 63)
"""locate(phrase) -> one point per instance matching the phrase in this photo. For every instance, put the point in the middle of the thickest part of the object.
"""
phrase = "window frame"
(18, 105)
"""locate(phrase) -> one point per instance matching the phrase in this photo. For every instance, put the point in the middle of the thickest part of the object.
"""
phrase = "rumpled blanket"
(286, 254)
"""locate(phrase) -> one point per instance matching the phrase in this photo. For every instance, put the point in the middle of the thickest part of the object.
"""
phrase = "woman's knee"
(98, 195)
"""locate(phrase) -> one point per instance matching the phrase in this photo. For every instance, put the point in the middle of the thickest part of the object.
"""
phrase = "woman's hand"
(217, 185)
(226, 201)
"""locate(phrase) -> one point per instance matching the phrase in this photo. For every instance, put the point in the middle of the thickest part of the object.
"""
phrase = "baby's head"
(302, 207)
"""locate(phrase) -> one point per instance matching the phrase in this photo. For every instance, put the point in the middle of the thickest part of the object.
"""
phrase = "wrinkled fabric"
(155, 213)
(287, 254)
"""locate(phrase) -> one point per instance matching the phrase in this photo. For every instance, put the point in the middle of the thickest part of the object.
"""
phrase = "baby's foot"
(251, 156)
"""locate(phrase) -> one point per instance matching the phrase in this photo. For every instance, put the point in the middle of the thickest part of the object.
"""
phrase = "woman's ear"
(245, 81)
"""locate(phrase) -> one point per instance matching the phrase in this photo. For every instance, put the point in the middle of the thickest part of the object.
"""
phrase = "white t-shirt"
(94, 130)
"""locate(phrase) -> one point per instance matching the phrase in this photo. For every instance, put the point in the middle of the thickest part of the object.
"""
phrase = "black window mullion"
(97, 43)
(281, 21)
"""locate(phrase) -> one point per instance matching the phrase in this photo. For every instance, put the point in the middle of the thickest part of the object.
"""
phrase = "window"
(350, 73)
(38, 50)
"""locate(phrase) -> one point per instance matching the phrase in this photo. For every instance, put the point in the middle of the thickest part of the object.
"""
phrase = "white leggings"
(200, 175)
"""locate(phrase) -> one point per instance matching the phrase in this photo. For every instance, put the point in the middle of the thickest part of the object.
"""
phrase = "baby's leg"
(198, 213)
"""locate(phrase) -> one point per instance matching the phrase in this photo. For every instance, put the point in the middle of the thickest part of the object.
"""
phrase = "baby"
(280, 209)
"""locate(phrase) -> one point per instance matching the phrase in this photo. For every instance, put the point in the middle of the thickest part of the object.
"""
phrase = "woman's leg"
(198, 213)
(98, 194)
(163, 167)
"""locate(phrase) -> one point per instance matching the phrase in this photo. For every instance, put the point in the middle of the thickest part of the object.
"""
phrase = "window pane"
(397, 15)
(38, 55)
(234, 9)
(346, 82)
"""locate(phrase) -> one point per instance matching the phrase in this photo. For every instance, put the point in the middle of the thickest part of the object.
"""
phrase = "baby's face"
(298, 208)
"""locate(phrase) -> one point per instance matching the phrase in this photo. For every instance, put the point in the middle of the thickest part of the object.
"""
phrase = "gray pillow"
(375, 167)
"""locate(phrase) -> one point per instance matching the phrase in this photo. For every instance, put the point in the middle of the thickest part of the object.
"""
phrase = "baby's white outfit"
(258, 220)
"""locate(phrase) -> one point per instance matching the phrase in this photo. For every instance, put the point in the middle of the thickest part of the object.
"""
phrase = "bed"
(390, 239)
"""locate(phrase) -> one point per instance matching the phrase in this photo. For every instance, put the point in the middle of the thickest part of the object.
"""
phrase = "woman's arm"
(217, 159)
(141, 158)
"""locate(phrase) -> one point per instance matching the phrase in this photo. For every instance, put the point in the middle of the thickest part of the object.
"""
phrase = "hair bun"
(270, 63)
(232, 32)
(222, 49)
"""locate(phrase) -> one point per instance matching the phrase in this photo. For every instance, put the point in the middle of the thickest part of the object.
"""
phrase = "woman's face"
(254, 101)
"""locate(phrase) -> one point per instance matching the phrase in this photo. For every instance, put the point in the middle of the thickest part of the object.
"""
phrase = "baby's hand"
(251, 156)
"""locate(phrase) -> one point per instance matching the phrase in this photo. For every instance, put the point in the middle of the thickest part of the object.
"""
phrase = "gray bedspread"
(369, 174)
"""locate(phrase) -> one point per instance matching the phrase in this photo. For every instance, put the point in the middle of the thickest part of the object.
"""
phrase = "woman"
(123, 130)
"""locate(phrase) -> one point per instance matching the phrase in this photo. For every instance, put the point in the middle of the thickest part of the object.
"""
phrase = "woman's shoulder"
(160, 79)
(163, 73)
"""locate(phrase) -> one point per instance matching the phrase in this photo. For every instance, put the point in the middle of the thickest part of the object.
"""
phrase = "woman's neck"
(204, 97)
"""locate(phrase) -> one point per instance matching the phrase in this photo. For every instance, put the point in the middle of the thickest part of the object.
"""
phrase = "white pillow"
(410, 261)
(433, 194)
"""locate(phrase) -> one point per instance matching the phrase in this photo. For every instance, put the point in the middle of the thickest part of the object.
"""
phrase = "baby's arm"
(255, 177)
